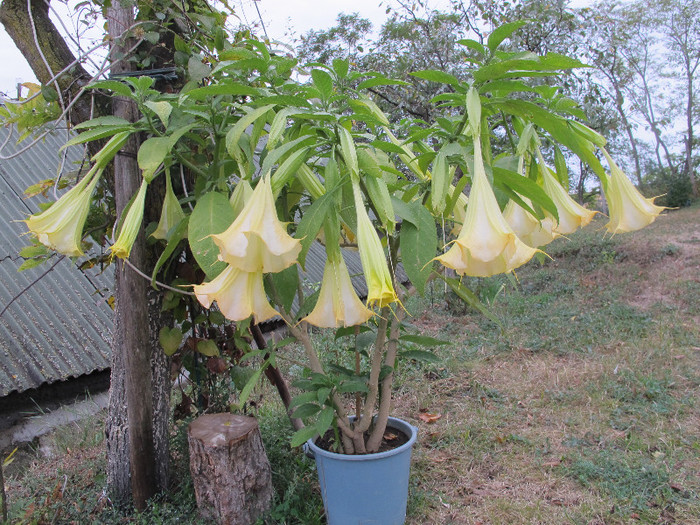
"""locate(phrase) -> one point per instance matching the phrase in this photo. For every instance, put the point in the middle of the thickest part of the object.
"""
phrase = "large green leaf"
(434, 75)
(234, 134)
(418, 244)
(502, 32)
(212, 214)
(525, 187)
(286, 284)
(227, 88)
(323, 82)
(152, 153)
(178, 234)
(312, 222)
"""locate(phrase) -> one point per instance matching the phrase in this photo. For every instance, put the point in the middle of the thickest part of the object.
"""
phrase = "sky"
(284, 20)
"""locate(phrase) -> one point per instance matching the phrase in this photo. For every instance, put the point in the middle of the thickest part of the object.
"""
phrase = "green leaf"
(323, 82)
(420, 355)
(207, 347)
(470, 298)
(96, 134)
(301, 436)
(473, 45)
(388, 147)
(286, 284)
(350, 330)
(170, 339)
(279, 124)
(115, 86)
(505, 87)
(197, 69)
(303, 398)
(288, 168)
(418, 245)
(435, 75)
(306, 410)
(234, 134)
(322, 394)
(248, 388)
(284, 100)
(227, 88)
(341, 67)
(162, 109)
(312, 221)
(152, 154)
(502, 32)
(423, 340)
(29, 264)
(380, 81)
(179, 233)
(524, 186)
(212, 214)
(325, 420)
(109, 121)
(352, 386)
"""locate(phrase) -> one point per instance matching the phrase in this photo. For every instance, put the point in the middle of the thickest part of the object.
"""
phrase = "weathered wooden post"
(230, 471)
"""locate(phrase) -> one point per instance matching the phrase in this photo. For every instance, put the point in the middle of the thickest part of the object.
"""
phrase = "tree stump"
(230, 471)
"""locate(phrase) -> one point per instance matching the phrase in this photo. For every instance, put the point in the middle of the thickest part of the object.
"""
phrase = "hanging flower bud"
(338, 304)
(527, 227)
(486, 245)
(572, 215)
(238, 294)
(257, 240)
(131, 226)
(60, 227)
(240, 195)
(629, 209)
(171, 214)
(380, 290)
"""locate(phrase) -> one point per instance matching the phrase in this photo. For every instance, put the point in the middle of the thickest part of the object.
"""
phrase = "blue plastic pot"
(367, 488)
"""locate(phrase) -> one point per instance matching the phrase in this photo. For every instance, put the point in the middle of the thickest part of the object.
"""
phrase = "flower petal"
(257, 240)
(238, 294)
(629, 209)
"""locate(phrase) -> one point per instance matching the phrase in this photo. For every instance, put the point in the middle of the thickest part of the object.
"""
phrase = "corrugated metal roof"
(60, 327)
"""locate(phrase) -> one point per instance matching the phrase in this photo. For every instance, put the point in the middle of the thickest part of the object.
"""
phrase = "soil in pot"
(393, 438)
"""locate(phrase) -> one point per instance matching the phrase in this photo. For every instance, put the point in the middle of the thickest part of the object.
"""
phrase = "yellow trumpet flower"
(527, 227)
(171, 214)
(132, 224)
(380, 290)
(238, 294)
(60, 227)
(486, 244)
(572, 215)
(338, 304)
(257, 240)
(629, 209)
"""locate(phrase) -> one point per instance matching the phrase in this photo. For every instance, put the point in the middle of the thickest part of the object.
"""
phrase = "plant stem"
(392, 348)
(374, 372)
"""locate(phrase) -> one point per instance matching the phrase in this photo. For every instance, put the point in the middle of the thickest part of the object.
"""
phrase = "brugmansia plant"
(270, 165)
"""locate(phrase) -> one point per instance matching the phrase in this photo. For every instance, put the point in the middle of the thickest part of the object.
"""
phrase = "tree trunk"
(132, 333)
(230, 471)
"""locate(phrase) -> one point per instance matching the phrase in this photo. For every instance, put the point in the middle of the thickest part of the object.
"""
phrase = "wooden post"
(230, 471)
(131, 332)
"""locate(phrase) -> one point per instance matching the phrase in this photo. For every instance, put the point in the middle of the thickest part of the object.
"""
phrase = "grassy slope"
(584, 410)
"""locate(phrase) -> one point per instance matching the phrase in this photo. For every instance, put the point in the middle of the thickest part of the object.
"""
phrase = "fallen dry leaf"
(429, 418)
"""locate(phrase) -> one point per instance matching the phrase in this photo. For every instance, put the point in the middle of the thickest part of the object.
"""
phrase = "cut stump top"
(215, 430)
